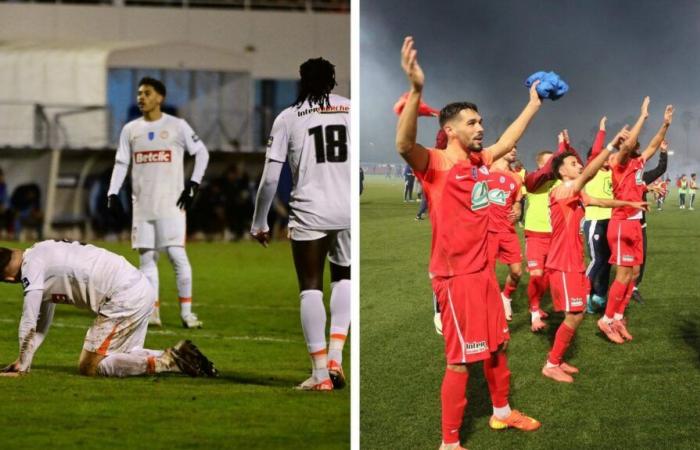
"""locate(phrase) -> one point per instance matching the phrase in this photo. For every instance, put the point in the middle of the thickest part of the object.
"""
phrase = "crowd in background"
(223, 208)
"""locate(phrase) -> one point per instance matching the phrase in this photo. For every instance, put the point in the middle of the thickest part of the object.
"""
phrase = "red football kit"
(504, 192)
(463, 281)
(568, 282)
(624, 229)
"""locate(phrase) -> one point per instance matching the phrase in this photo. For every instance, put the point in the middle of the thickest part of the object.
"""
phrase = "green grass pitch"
(642, 395)
(247, 297)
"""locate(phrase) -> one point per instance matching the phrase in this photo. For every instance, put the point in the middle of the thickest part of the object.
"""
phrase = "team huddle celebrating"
(312, 136)
(475, 199)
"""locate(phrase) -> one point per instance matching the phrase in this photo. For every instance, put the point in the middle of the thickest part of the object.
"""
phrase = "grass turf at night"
(643, 394)
(247, 298)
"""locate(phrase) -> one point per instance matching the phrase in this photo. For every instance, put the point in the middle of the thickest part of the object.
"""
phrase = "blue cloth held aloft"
(551, 85)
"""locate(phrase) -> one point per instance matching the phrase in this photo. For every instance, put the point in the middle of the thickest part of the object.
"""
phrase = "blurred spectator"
(409, 179)
(239, 202)
(362, 180)
(104, 223)
(5, 215)
(25, 204)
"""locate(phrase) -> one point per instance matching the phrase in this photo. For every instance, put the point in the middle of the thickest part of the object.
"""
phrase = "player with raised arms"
(313, 135)
(455, 181)
(156, 143)
(625, 228)
(504, 210)
(565, 261)
(91, 278)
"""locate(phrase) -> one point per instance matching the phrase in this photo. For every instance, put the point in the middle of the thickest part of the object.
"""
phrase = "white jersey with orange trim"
(79, 274)
(316, 142)
(157, 150)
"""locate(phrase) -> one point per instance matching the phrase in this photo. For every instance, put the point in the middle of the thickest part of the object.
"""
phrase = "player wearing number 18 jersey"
(313, 135)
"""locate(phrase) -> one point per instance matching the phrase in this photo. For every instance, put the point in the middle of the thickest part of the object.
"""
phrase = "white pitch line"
(59, 324)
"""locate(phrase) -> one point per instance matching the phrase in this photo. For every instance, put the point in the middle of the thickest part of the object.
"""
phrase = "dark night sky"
(611, 53)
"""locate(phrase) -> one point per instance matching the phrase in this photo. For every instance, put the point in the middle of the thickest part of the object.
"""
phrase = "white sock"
(136, 362)
(617, 316)
(607, 319)
(549, 365)
(534, 315)
(183, 278)
(313, 323)
(502, 412)
(340, 319)
(148, 265)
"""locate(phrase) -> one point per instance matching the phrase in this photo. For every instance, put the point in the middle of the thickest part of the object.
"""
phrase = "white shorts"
(339, 247)
(121, 324)
(159, 233)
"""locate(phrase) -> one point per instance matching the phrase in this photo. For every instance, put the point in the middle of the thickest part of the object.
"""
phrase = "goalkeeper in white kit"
(156, 145)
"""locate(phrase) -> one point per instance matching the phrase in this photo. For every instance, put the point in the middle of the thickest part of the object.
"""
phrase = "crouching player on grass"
(88, 277)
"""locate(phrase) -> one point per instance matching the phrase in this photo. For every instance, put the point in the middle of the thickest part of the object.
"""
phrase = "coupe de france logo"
(25, 282)
(638, 176)
(498, 196)
(480, 196)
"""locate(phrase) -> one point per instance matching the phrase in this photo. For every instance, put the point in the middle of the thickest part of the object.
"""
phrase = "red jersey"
(459, 212)
(628, 185)
(504, 191)
(566, 211)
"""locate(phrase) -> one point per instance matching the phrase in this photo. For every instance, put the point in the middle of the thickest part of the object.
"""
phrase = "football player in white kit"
(156, 144)
(314, 136)
(88, 277)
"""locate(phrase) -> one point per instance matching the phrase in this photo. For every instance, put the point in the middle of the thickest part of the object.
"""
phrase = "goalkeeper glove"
(187, 196)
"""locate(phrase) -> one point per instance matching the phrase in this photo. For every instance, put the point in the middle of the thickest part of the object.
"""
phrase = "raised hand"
(409, 63)
(645, 107)
(534, 96)
(668, 114)
(663, 146)
(621, 136)
(566, 136)
(602, 123)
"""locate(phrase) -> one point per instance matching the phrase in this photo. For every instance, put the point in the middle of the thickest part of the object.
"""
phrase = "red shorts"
(626, 243)
(569, 290)
(504, 247)
(473, 321)
(536, 249)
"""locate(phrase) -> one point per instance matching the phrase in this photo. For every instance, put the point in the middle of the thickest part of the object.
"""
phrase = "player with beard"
(625, 230)
(566, 270)
(455, 181)
(504, 210)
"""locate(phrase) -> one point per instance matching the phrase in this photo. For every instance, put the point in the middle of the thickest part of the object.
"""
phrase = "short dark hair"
(157, 85)
(692, 174)
(5, 256)
(450, 111)
(558, 161)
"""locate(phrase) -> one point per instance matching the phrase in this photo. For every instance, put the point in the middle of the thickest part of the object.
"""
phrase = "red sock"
(508, 289)
(616, 295)
(561, 343)
(454, 400)
(535, 290)
(498, 377)
(626, 299)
